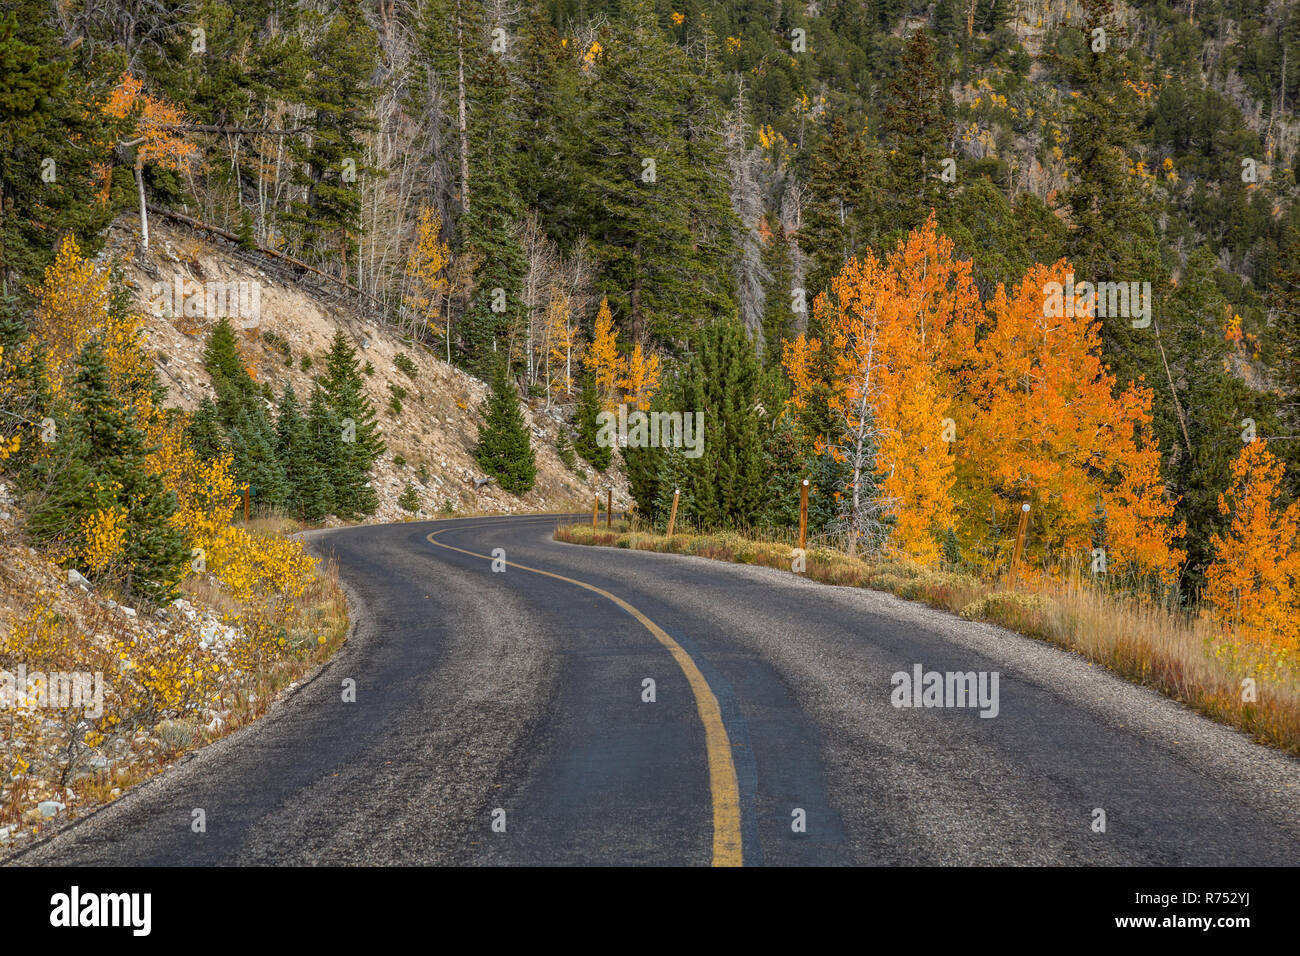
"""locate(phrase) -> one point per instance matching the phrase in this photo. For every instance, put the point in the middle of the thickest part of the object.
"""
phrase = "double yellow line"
(722, 769)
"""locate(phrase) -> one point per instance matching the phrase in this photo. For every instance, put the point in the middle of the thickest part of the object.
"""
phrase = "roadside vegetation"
(1183, 654)
(126, 575)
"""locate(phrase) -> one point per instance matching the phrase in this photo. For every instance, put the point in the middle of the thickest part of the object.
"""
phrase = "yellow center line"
(722, 769)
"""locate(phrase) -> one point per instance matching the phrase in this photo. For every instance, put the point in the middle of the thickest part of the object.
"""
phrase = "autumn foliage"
(74, 309)
(637, 375)
(974, 408)
(1253, 586)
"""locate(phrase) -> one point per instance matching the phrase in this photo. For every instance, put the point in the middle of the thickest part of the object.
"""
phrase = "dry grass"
(1182, 655)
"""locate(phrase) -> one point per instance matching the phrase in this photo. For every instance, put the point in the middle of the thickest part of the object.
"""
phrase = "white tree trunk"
(144, 210)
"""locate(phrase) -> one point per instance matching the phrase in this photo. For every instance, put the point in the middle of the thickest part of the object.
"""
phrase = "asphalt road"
(500, 717)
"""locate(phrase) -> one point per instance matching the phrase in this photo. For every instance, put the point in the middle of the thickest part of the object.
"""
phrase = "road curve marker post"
(672, 515)
(723, 783)
(803, 514)
(1020, 545)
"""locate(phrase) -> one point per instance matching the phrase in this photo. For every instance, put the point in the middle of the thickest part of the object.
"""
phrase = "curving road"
(501, 717)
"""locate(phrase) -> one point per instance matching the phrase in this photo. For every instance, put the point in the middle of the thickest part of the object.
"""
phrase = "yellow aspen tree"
(72, 308)
(602, 357)
(641, 378)
(1253, 585)
(425, 271)
(561, 339)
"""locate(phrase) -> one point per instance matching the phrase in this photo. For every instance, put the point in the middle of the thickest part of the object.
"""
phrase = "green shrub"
(404, 363)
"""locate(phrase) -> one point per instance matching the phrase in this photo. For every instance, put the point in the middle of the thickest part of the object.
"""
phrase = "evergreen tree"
(409, 500)
(360, 446)
(840, 214)
(206, 434)
(241, 408)
(47, 185)
(330, 165)
(1112, 237)
(564, 449)
(653, 194)
(587, 428)
(779, 317)
(504, 447)
(672, 478)
(828, 502)
(324, 446)
(99, 465)
(484, 120)
(309, 494)
(252, 443)
(236, 390)
(785, 468)
(24, 391)
(725, 483)
(918, 134)
(549, 144)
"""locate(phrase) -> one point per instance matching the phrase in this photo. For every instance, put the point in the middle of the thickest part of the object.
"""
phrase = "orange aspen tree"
(897, 330)
(641, 378)
(1044, 424)
(154, 125)
(1253, 585)
(602, 357)
(932, 307)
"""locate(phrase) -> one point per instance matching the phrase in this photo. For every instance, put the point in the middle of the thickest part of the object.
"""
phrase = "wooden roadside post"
(595, 512)
(609, 510)
(803, 514)
(1020, 545)
(245, 504)
(672, 515)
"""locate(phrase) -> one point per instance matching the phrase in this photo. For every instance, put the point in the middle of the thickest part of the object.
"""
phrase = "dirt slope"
(437, 426)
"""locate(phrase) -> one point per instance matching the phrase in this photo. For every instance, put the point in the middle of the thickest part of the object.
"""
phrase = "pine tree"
(252, 443)
(918, 134)
(360, 445)
(779, 317)
(241, 408)
(236, 390)
(785, 469)
(828, 500)
(839, 212)
(564, 449)
(409, 500)
(504, 447)
(549, 144)
(672, 478)
(458, 40)
(206, 434)
(652, 190)
(24, 391)
(49, 185)
(99, 472)
(330, 161)
(589, 407)
(725, 483)
(309, 495)
(324, 445)
(1112, 237)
